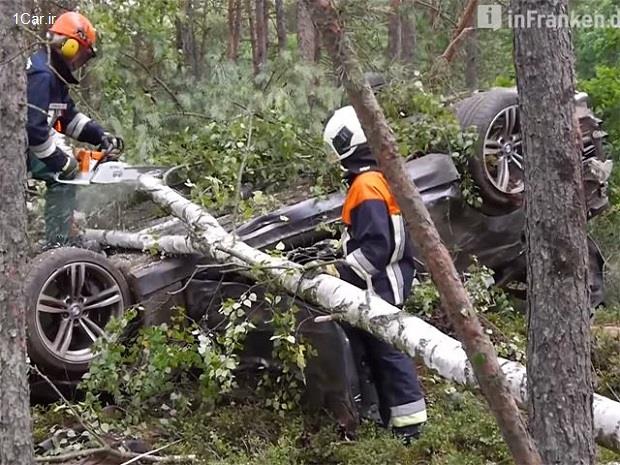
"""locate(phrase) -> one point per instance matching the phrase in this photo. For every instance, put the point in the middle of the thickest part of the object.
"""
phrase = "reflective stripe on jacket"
(376, 244)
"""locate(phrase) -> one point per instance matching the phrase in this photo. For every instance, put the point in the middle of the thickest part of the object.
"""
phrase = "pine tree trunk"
(15, 427)
(265, 42)
(234, 29)
(261, 33)
(281, 24)
(186, 33)
(307, 35)
(472, 61)
(559, 369)
(408, 31)
(421, 229)
(253, 37)
(395, 37)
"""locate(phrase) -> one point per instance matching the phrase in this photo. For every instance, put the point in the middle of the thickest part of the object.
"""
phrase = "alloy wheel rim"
(73, 307)
(503, 152)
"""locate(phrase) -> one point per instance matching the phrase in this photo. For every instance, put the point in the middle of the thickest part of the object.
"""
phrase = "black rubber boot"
(408, 434)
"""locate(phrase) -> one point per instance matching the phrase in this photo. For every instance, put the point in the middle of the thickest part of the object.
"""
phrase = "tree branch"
(129, 457)
(156, 78)
(462, 29)
(421, 229)
(346, 302)
(450, 51)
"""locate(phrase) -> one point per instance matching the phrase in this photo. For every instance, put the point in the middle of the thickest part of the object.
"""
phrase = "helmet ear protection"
(70, 48)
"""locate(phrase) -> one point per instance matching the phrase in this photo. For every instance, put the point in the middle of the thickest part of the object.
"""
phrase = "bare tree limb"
(414, 336)
(156, 79)
(73, 410)
(129, 457)
(463, 28)
(450, 51)
(434, 8)
(421, 229)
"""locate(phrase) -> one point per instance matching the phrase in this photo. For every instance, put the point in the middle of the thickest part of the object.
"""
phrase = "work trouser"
(401, 400)
(60, 203)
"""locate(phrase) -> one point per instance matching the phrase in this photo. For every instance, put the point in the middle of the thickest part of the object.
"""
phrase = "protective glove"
(70, 170)
(315, 267)
(62, 163)
(112, 145)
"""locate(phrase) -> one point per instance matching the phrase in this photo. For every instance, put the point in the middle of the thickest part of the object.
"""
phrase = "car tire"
(486, 112)
(71, 294)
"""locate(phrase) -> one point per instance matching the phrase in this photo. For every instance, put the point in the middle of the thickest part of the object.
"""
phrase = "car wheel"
(497, 164)
(71, 294)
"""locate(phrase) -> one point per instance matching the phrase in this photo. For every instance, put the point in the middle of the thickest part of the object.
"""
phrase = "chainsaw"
(95, 167)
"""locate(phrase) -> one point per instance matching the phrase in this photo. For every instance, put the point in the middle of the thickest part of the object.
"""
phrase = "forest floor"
(241, 430)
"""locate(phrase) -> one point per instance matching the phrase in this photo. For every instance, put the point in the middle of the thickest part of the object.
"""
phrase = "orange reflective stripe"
(371, 185)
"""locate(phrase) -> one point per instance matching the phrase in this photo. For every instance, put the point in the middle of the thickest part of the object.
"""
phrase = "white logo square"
(489, 17)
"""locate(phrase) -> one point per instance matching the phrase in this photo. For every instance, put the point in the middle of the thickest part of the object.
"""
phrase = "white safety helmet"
(343, 132)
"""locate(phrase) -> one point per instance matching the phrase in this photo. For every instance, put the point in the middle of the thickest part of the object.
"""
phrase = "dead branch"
(463, 28)
(346, 302)
(450, 51)
(73, 410)
(129, 457)
(436, 10)
(156, 79)
(421, 229)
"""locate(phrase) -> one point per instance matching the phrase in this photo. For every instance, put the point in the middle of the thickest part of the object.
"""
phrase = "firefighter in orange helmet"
(52, 115)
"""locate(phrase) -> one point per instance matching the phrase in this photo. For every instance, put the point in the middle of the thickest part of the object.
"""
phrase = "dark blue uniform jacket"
(376, 244)
(50, 107)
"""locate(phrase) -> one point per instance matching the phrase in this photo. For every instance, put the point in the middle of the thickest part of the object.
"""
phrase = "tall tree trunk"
(15, 427)
(265, 42)
(187, 35)
(261, 32)
(472, 60)
(256, 64)
(307, 35)
(421, 229)
(408, 31)
(281, 24)
(234, 29)
(395, 37)
(558, 368)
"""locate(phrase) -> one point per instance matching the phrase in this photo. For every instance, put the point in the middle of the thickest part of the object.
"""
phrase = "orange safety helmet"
(76, 26)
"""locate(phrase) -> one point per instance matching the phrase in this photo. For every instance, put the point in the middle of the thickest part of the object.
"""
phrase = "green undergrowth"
(176, 385)
(460, 431)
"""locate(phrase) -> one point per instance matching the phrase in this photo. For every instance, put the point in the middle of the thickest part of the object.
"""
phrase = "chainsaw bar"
(113, 172)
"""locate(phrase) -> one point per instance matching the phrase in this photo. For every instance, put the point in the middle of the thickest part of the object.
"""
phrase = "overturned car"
(72, 293)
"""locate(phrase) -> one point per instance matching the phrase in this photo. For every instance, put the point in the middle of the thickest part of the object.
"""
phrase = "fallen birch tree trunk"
(175, 244)
(414, 336)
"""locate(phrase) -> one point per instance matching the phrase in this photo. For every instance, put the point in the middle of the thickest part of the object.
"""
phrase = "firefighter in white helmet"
(377, 250)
